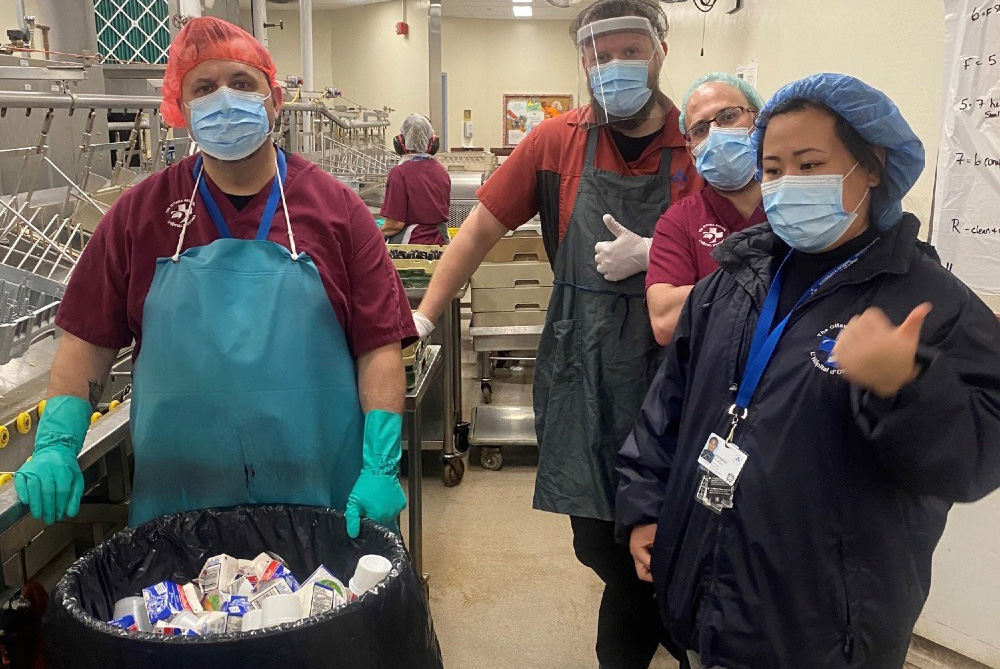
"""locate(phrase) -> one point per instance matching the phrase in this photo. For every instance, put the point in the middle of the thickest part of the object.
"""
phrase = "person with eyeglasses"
(716, 118)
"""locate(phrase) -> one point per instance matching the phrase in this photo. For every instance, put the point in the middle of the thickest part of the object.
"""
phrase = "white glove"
(424, 326)
(625, 256)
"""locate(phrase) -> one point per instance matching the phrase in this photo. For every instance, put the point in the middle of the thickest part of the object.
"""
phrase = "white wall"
(895, 45)
(358, 51)
(486, 58)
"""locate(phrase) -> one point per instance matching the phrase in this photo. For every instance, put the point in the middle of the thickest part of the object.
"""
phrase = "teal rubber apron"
(597, 355)
(244, 391)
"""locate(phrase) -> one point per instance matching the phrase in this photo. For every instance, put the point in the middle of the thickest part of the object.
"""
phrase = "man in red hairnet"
(267, 311)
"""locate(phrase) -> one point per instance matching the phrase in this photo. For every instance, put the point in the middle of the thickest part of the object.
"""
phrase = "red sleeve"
(95, 306)
(671, 259)
(380, 313)
(394, 205)
(510, 193)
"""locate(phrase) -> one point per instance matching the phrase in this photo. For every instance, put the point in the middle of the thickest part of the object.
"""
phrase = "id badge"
(714, 493)
(723, 459)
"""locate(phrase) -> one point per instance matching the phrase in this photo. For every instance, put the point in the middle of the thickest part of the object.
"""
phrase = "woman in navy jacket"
(856, 384)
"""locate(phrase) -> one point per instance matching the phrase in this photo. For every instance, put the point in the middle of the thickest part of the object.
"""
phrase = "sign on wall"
(523, 112)
(967, 195)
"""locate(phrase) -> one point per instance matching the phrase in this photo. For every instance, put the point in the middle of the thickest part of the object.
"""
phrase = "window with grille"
(133, 30)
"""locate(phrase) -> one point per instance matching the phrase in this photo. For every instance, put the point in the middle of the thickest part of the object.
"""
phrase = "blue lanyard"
(269, 209)
(765, 339)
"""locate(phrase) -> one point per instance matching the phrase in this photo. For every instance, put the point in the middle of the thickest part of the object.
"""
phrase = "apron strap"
(592, 136)
(264, 228)
(666, 157)
(267, 217)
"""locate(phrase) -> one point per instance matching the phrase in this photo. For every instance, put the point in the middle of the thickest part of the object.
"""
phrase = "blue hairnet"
(751, 94)
(877, 120)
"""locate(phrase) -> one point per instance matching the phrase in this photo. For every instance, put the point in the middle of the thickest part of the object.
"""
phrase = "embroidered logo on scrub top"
(176, 211)
(711, 235)
(822, 357)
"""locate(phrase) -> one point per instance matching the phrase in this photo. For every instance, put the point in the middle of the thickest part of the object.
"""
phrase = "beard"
(634, 120)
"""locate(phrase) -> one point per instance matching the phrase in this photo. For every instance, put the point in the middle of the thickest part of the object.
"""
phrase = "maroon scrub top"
(418, 192)
(686, 234)
(106, 293)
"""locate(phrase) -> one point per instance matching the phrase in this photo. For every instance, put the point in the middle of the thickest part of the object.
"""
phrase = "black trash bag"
(387, 628)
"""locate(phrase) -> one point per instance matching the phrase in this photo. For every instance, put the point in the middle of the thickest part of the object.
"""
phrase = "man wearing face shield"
(265, 312)
(716, 118)
(599, 177)
(855, 385)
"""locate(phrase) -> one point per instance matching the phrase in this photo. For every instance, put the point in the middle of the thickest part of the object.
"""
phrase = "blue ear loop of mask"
(807, 212)
(228, 124)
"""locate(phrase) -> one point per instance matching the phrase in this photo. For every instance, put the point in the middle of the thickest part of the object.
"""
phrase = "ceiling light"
(522, 11)
(522, 2)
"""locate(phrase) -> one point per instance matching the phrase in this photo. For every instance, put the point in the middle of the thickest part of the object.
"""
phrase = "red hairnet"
(202, 39)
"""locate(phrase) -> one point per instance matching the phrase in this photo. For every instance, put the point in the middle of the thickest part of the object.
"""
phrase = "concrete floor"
(506, 591)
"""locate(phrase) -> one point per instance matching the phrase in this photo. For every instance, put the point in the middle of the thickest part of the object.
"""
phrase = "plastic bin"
(387, 628)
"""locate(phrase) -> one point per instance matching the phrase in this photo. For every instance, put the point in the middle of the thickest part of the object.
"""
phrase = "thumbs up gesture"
(625, 256)
(878, 356)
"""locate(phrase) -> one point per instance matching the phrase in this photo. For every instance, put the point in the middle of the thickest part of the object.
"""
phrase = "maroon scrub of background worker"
(418, 190)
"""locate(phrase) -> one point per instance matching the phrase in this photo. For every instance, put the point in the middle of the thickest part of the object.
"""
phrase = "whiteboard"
(967, 195)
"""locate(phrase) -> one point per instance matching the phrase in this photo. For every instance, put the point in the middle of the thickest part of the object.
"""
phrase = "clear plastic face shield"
(620, 60)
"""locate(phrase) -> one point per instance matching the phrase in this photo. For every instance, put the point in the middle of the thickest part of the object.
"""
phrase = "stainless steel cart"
(451, 433)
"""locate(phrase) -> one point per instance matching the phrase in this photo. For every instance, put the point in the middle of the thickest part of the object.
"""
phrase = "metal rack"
(43, 232)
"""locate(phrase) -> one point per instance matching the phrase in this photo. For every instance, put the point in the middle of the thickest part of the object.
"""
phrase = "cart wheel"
(487, 392)
(454, 471)
(491, 459)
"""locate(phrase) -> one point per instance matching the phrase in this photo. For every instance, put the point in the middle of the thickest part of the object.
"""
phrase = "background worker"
(418, 189)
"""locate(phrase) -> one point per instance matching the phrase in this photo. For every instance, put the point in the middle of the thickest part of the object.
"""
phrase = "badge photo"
(722, 459)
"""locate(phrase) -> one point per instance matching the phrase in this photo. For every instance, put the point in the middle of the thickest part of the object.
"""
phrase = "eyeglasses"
(727, 118)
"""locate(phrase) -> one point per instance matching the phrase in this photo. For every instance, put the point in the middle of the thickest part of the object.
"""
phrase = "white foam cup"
(279, 609)
(252, 620)
(372, 570)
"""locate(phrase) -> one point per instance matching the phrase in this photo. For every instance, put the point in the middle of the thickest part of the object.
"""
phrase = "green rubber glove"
(377, 493)
(51, 483)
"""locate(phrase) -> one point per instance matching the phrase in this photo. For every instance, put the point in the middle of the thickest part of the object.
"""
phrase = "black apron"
(597, 355)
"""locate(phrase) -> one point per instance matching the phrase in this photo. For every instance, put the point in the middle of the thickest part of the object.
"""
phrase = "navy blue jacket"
(825, 561)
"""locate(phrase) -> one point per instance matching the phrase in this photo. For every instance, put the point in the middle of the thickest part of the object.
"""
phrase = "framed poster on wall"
(523, 111)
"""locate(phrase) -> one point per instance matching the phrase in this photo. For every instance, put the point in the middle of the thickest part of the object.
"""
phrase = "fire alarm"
(403, 28)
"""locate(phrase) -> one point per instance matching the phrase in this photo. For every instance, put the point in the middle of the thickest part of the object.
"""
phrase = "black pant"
(629, 629)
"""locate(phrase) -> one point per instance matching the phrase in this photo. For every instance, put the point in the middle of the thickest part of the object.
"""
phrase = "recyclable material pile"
(236, 595)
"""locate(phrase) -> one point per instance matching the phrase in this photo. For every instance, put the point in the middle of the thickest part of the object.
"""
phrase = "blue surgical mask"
(807, 212)
(726, 158)
(621, 87)
(228, 124)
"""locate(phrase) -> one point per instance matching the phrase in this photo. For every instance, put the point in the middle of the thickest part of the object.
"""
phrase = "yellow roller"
(95, 417)
(24, 423)
(4, 436)
(114, 405)
(6, 478)
(41, 407)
